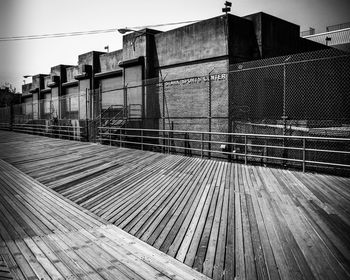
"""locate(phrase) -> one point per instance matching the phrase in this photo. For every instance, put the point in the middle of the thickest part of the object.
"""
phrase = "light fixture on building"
(126, 30)
(227, 7)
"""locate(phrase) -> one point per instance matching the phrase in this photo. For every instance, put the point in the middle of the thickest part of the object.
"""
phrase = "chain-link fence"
(292, 94)
(302, 95)
(5, 117)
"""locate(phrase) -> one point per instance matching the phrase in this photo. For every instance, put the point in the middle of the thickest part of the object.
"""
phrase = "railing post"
(163, 141)
(69, 108)
(87, 131)
(168, 142)
(304, 154)
(163, 113)
(120, 137)
(12, 116)
(110, 136)
(245, 149)
(141, 139)
(202, 140)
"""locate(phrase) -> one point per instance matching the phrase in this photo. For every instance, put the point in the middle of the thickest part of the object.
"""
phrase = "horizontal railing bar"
(74, 132)
(228, 143)
(235, 154)
(237, 134)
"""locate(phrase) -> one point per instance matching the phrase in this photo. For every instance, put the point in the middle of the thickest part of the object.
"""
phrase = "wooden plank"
(189, 218)
(148, 192)
(203, 243)
(161, 219)
(183, 217)
(88, 238)
(53, 258)
(155, 258)
(83, 249)
(246, 230)
(4, 270)
(158, 236)
(171, 190)
(16, 261)
(208, 264)
(11, 264)
(231, 235)
(189, 234)
(240, 261)
(33, 261)
(335, 244)
(265, 261)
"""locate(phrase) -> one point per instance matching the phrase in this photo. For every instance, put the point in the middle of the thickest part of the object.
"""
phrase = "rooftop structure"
(336, 36)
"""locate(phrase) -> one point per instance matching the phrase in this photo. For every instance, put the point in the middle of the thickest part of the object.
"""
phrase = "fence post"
(304, 153)
(79, 106)
(209, 114)
(245, 149)
(100, 99)
(125, 96)
(284, 109)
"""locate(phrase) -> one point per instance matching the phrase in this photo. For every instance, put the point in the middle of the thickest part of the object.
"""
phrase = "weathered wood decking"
(45, 236)
(225, 220)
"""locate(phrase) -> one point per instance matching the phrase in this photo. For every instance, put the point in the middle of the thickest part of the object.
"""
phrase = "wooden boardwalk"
(225, 220)
(45, 236)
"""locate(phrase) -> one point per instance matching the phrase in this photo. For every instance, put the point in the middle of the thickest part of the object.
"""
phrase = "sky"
(37, 17)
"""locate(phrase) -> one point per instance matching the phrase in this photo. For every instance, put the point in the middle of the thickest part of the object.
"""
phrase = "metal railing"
(338, 26)
(5, 125)
(301, 152)
(56, 131)
(307, 153)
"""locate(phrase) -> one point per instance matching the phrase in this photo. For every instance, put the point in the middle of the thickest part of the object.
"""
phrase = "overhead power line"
(80, 33)
(163, 24)
(56, 35)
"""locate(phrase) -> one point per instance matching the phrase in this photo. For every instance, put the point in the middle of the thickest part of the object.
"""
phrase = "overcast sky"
(36, 17)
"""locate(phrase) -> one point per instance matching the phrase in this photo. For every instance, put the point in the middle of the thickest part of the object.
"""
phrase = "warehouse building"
(146, 78)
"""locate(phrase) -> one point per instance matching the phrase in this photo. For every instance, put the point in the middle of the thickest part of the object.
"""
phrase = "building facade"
(147, 77)
(336, 36)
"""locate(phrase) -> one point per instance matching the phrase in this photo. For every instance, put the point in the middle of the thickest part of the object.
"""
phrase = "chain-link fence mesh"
(309, 90)
(302, 95)
(5, 117)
